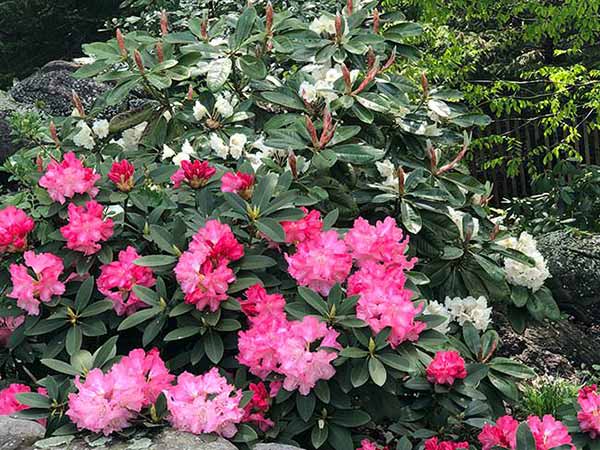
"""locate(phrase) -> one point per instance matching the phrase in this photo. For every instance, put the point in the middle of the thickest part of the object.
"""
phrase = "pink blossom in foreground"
(381, 242)
(65, 179)
(121, 173)
(446, 367)
(195, 174)
(320, 262)
(435, 444)
(8, 402)
(259, 303)
(366, 444)
(308, 227)
(29, 290)
(549, 432)
(385, 302)
(87, 228)
(7, 326)
(589, 414)
(204, 404)
(117, 279)
(15, 225)
(259, 404)
(502, 434)
(239, 183)
(220, 240)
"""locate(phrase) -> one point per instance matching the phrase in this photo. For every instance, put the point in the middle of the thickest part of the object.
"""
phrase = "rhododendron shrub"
(238, 224)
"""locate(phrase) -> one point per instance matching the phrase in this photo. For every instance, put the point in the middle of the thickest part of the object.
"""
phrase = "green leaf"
(264, 191)
(271, 228)
(33, 399)
(253, 262)
(411, 219)
(512, 368)
(306, 405)
(313, 299)
(73, 341)
(245, 433)
(84, 294)
(525, 439)
(340, 438)
(357, 153)
(519, 296)
(242, 283)
(471, 337)
(330, 219)
(253, 67)
(97, 308)
(319, 435)
(147, 295)
(218, 73)
(350, 418)
(107, 351)
(285, 98)
(395, 361)
(138, 318)
(506, 387)
(60, 366)
(45, 326)
(213, 345)
(353, 352)
(155, 260)
(377, 371)
(243, 27)
(182, 333)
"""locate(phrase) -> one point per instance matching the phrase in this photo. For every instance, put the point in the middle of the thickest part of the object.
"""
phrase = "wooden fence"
(531, 145)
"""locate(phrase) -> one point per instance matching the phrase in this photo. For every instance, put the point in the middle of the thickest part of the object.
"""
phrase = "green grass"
(546, 395)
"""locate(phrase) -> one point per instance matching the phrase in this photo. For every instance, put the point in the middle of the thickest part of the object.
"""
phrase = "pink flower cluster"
(381, 243)
(108, 402)
(273, 344)
(8, 402)
(259, 404)
(435, 444)
(64, 180)
(86, 228)
(30, 290)
(121, 174)
(446, 367)
(7, 326)
(202, 271)
(547, 432)
(204, 404)
(15, 225)
(117, 279)
(239, 183)
(304, 229)
(366, 444)
(196, 174)
(589, 414)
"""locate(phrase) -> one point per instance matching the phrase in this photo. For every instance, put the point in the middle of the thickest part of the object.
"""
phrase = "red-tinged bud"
(424, 85)
(204, 29)
(339, 32)
(190, 93)
(495, 232)
(138, 61)
(160, 56)
(164, 23)
(77, 103)
(349, 7)
(432, 158)
(328, 129)
(54, 134)
(401, 180)
(39, 162)
(312, 131)
(371, 59)
(368, 79)
(375, 21)
(121, 43)
(293, 164)
(347, 77)
(390, 61)
(451, 165)
(269, 19)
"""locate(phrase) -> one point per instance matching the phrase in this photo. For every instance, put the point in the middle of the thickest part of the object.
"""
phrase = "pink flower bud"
(375, 21)
(328, 129)
(77, 103)
(138, 61)
(338, 27)
(349, 7)
(160, 56)
(347, 77)
(401, 179)
(269, 19)
(54, 134)
(424, 84)
(495, 232)
(312, 131)
(190, 93)
(121, 43)
(370, 58)
(39, 162)
(293, 164)
(432, 158)
(164, 23)
(204, 29)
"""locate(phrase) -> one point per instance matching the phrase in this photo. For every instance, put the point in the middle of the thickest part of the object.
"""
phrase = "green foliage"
(547, 395)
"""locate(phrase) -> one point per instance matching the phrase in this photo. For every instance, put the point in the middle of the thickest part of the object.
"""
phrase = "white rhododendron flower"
(388, 171)
(168, 152)
(101, 128)
(131, 137)
(200, 111)
(520, 274)
(236, 145)
(219, 146)
(457, 218)
(323, 24)
(308, 92)
(470, 309)
(84, 137)
(224, 107)
(437, 309)
(181, 156)
(217, 41)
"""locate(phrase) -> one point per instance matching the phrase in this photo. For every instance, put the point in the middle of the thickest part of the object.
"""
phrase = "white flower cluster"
(131, 138)
(234, 148)
(183, 155)
(85, 135)
(323, 24)
(224, 107)
(461, 310)
(520, 274)
(388, 171)
(324, 77)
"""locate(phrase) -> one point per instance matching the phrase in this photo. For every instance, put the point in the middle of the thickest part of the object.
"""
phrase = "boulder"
(574, 261)
(273, 446)
(17, 434)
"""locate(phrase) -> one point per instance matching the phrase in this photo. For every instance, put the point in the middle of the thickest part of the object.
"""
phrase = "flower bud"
(269, 19)
(138, 61)
(293, 164)
(495, 232)
(312, 131)
(401, 180)
(39, 162)
(190, 93)
(121, 43)
(77, 103)
(390, 61)
(339, 32)
(375, 21)
(347, 77)
(370, 58)
(424, 85)
(204, 29)
(432, 157)
(54, 134)
(349, 7)
(164, 23)
(328, 129)
(160, 56)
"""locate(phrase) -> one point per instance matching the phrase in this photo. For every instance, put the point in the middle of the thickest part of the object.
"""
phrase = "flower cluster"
(239, 183)
(204, 404)
(8, 402)
(15, 225)
(121, 173)
(7, 326)
(64, 180)
(86, 228)
(196, 174)
(308, 227)
(259, 404)
(30, 290)
(548, 433)
(589, 414)
(118, 278)
(234, 148)
(366, 444)
(273, 344)
(108, 402)
(435, 444)
(462, 310)
(446, 367)
(202, 271)
(521, 274)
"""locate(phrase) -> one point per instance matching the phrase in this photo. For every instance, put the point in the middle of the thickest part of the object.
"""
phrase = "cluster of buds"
(373, 70)
(77, 104)
(327, 132)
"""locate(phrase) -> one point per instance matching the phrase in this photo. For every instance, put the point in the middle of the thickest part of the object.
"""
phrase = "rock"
(17, 434)
(574, 261)
(50, 89)
(275, 447)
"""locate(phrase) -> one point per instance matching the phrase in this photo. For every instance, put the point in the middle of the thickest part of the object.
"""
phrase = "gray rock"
(574, 261)
(17, 434)
(273, 446)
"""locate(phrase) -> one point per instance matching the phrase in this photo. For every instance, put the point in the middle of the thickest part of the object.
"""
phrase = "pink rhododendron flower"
(589, 415)
(220, 240)
(8, 402)
(259, 303)
(549, 432)
(121, 173)
(196, 174)
(381, 242)
(435, 444)
(64, 180)
(204, 404)
(7, 326)
(366, 444)
(118, 278)
(86, 228)
(258, 405)
(102, 407)
(384, 301)
(308, 227)
(446, 367)
(31, 290)
(15, 225)
(320, 262)
(239, 183)
(503, 434)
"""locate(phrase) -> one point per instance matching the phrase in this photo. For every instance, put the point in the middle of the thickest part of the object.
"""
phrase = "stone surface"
(16, 434)
(275, 447)
(574, 261)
